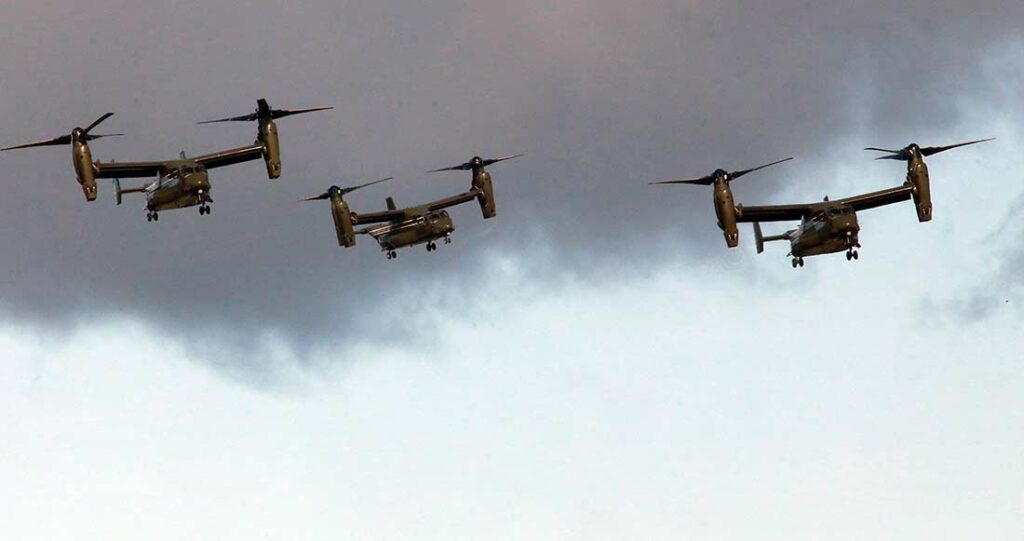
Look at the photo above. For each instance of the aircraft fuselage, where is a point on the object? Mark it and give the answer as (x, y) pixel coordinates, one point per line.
(833, 230)
(187, 187)
(413, 231)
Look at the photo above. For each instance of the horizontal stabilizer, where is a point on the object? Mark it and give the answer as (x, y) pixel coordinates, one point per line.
(760, 239)
(120, 192)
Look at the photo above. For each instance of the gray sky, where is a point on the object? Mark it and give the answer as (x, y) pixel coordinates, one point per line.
(587, 275)
(602, 98)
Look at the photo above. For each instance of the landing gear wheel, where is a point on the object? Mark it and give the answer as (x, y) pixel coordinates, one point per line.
(431, 246)
(800, 261)
(794, 262)
(392, 254)
(149, 216)
(856, 254)
(849, 255)
(156, 217)
(447, 239)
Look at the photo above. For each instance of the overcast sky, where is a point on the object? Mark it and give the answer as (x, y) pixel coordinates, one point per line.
(592, 363)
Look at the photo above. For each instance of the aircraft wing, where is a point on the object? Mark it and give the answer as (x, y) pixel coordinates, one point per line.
(231, 157)
(410, 212)
(877, 199)
(378, 217)
(128, 169)
(452, 201)
(773, 213)
(786, 213)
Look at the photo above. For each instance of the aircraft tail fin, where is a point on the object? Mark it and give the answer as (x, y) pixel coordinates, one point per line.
(119, 191)
(760, 239)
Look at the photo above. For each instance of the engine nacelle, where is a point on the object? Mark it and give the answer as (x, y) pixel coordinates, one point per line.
(84, 172)
(725, 210)
(342, 222)
(482, 182)
(917, 176)
(271, 148)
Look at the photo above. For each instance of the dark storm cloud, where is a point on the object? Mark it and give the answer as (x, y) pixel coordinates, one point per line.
(602, 96)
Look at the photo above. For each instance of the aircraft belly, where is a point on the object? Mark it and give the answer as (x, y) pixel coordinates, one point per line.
(175, 200)
(826, 247)
(403, 237)
(822, 243)
(811, 242)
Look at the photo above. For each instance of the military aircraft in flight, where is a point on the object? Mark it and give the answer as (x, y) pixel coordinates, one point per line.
(825, 226)
(410, 226)
(180, 183)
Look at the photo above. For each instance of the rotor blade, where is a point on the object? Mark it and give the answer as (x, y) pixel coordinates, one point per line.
(496, 160)
(469, 165)
(325, 195)
(462, 167)
(737, 174)
(928, 151)
(279, 113)
(897, 156)
(354, 188)
(244, 118)
(90, 137)
(901, 155)
(62, 140)
(703, 181)
(96, 123)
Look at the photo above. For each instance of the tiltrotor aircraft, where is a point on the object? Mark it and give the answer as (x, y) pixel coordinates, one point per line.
(827, 226)
(419, 224)
(180, 183)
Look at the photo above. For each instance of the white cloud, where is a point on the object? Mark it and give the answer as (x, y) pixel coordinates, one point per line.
(687, 405)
